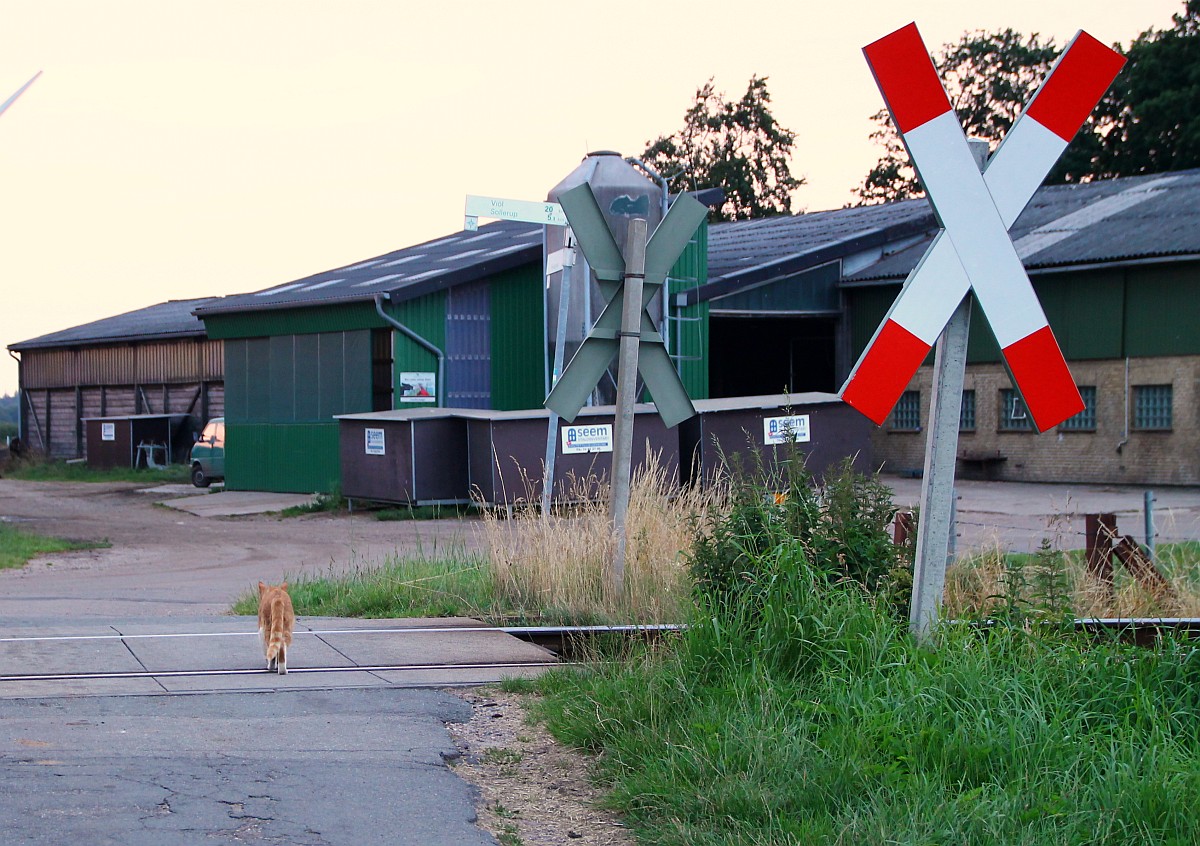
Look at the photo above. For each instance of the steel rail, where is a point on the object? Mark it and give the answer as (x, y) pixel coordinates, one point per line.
(375, 668)
(522, 632)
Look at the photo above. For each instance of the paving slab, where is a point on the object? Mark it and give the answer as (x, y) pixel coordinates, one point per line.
(27, 657)
(226, 655)
(234, 503)
(265, 682)
(229, 652)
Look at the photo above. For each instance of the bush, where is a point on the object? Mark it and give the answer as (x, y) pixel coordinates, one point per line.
(839, 527)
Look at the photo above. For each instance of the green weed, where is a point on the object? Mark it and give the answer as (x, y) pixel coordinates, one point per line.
(17, 546)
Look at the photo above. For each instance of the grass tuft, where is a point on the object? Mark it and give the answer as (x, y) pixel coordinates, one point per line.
(17, 547)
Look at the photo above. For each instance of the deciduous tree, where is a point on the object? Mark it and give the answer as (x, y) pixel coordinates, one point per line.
(734, 145)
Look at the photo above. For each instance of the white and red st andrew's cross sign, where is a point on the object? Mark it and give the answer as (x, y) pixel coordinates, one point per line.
(973, 252)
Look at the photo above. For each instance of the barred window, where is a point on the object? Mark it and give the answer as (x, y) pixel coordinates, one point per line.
(1152, 406)
(1013, 416)
(1084, 421)
(966, 415)
(906, 417)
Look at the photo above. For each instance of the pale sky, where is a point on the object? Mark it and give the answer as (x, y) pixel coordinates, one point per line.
(174, 150)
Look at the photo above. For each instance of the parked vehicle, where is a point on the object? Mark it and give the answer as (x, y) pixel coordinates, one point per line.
(208, 454)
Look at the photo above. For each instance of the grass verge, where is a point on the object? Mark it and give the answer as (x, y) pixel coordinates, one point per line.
(448, 584)
(32, 470)
(17, 546)
(807, 715)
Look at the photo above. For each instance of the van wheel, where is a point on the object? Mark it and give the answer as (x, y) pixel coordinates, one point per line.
(198, 477)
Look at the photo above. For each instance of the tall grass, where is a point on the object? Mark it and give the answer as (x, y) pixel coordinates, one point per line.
(996, 582)
(807, 715)
(555, 564)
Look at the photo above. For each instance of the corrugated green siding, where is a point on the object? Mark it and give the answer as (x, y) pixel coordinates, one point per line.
(426, 316)
(293, 321)
(867, 307)
(518, 339)
(298, 379)
(1162, 310)
(1084, 310)
(283, 458)
(689, 336)
(1141, 311)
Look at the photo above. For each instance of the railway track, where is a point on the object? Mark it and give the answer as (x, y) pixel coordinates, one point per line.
(562, 642)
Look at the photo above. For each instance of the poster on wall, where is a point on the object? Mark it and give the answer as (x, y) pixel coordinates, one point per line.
(375, 442)
(579, 439)
(108, 431)
(418, 386)
(781, 430)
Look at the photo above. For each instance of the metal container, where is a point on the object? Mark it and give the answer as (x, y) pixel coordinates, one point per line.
(746, 426)
(416, 456)
(508, 449)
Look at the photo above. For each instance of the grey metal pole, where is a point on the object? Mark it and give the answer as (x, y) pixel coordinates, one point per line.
(941, 451)
(1148, 500)
(627, 369)
(560, 341)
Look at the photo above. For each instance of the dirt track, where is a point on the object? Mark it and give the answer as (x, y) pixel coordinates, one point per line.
(168, 562)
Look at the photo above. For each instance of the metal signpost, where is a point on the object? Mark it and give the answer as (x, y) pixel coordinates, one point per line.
(547, 214)
(526, 211)
(624, 327)
(972, 253)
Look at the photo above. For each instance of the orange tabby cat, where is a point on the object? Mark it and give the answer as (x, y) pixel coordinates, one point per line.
(275, 622)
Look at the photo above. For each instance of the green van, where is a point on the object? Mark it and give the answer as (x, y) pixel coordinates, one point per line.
(208, 454)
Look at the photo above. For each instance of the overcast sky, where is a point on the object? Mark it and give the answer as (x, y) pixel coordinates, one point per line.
(174, 150)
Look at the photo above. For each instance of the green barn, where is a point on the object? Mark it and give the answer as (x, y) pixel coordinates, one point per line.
(458, 322)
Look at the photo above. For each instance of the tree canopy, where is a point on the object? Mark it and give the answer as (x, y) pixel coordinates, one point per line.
(989, 76)
(1154, 105)
(1149, 121)
(734, 145)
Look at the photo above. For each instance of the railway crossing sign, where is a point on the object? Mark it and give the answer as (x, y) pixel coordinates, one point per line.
(601, 345)
(974, 252)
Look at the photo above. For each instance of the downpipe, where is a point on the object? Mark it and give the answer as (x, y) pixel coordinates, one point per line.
(424, 344)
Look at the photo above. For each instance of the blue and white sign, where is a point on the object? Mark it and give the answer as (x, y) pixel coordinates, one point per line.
(108, 431)
(782, 430)
(578, 439)
(375, 442)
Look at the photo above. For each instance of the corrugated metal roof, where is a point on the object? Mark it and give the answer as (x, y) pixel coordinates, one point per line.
(404, 274)
(173, 319)
(1138, 217)
(753, 252)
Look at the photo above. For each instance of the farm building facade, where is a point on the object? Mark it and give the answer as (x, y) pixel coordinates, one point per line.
(783, 304)
(457, 321)
(152, 361)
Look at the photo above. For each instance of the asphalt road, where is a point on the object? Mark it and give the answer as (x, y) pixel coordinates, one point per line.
(302, 767)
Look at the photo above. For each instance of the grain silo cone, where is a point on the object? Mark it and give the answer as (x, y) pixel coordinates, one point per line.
(623, 193)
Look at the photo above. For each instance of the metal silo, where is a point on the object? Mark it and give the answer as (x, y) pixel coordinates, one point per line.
(623, 193)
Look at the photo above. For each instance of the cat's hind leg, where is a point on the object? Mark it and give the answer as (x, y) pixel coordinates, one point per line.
(282, 660)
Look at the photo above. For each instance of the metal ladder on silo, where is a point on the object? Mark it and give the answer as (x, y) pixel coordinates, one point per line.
(677, 322)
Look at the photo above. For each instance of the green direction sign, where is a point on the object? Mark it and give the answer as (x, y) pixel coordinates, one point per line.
(603, 341)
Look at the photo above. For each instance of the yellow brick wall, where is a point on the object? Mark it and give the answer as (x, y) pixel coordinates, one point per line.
(1112, 454)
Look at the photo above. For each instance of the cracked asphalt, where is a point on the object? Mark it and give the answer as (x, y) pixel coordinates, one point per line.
(298, 767)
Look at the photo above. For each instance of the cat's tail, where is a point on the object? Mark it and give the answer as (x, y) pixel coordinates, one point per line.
(276, 643)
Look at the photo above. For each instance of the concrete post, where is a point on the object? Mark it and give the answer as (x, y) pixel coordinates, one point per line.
(627, 372)
(941, 452)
